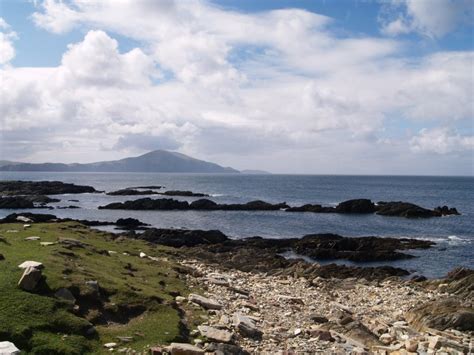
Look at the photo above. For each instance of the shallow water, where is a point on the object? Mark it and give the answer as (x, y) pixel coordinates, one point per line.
(454, 235)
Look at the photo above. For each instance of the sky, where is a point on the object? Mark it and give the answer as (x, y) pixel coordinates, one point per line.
(309, 86)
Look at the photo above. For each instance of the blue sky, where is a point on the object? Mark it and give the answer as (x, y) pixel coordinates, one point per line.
(297, 81)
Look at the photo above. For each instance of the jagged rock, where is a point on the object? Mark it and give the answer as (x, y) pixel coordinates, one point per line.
(204, 302)
(65, 294)
(8, 348)
(31, 263)
(30, 279)
(446, 211)
(316, 318)
(214, 334)
(246, 326)
(184, 349)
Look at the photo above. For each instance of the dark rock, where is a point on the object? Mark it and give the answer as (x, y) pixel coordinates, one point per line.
(403, 209)
(35, 217)
(459, 273)
(183, 193)
(203, 204)
(148, 204)
(356, 206)
(15, 202)
(446, 211)
(312, 208)
(155, 187)
(41, 188)
(182, 237)
(129, 223)
(418, 278)
(227, 349)
(30, 278)
(131, 192)
(318, 318)
(67, 207)
(368, 273)
(2, 257)
(41, 199)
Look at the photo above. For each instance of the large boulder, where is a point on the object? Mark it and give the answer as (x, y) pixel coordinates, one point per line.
(8, 348)
(30, 279)
(129, 223)
(246, 326)
(203, 204)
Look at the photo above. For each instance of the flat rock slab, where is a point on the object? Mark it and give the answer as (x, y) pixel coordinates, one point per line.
(32, 238)
(46, 244)
(204, 302)
(8, 348)
(214, 334)
(31, 263)
(184, 349)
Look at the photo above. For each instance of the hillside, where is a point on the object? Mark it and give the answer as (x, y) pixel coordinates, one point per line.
(159, 161)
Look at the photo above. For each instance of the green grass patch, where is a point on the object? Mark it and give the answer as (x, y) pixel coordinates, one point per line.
(136, 294)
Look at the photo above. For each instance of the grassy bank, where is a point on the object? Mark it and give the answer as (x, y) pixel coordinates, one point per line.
(135, 300)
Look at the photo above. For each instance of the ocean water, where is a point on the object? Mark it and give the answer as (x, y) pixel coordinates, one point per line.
(454, 235)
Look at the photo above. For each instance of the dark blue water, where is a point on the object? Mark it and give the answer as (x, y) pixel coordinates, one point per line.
(454, 235)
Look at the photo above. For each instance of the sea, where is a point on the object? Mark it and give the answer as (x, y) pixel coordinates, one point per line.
(453, 235)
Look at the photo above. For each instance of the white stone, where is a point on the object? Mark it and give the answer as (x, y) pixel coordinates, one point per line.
(26, 226)
(31, 263)
(142, 255)
(110, 345)
(24, 219)
(32, 238)
(8, 348)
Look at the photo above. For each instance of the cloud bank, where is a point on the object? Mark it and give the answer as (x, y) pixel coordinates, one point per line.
(277, 90)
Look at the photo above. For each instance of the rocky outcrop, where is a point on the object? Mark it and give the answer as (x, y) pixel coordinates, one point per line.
(404, 209)
(32, 217)
(356, 206)
(183, 193)
(203, 204)
(12, 188)
(131, 192)
(182, 237)
(15, 202)
(129, 223)
(446, 211)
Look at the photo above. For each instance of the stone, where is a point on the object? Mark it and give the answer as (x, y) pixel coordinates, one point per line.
(214, 334)
(156, 350)
(204, 302)
(229, 349)
(246, 326)
(24, 219)
(184, 349)
(65, 294)
(45, 244)
(32, 238)
(316, 318)
(25, 226)
(8, 348)
(321, 334)
(30, 263)
(30, 279)
(434, 342)
(411, 345)
(386, 339)
(142, 255)
(180, 299)
(110, 345)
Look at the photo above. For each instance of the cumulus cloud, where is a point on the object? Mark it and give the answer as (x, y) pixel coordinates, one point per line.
(441, 140)
(431, 18)
(7, 36)
(221, 84)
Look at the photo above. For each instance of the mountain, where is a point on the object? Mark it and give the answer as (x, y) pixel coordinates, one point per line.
(8, 162)
(158, 161)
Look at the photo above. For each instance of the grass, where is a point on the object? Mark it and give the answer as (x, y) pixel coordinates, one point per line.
(136, 294)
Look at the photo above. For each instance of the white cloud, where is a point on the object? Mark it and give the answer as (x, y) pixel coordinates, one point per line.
(441, 140)
(431, 18)
(220, 84)
(7, 36)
